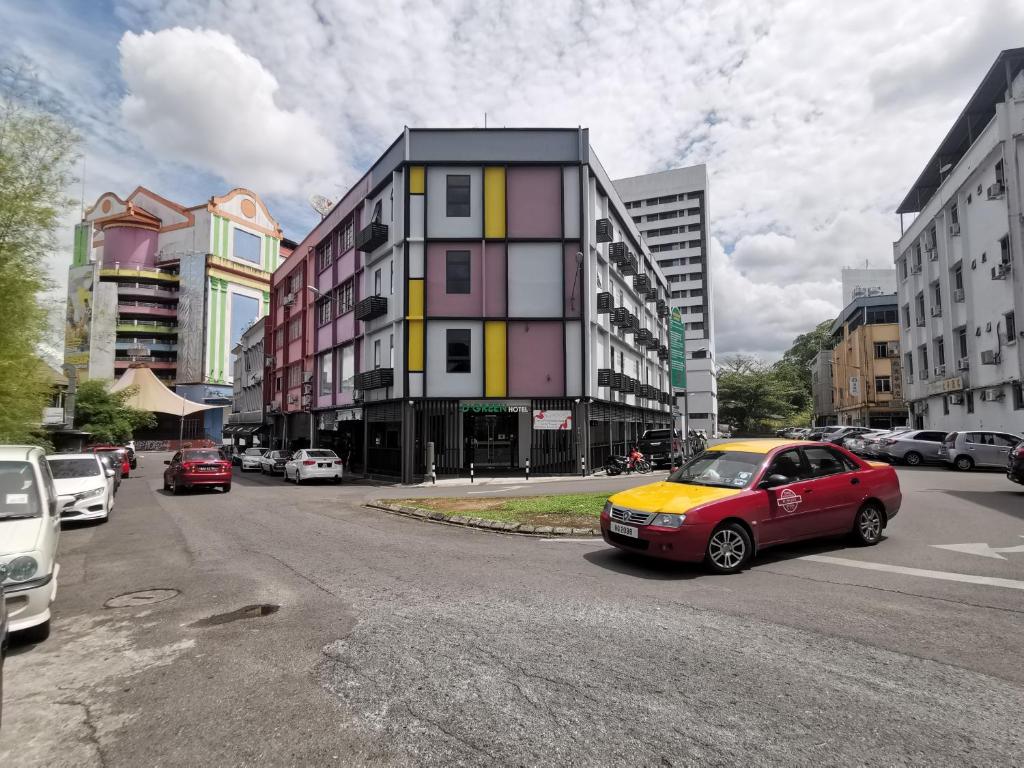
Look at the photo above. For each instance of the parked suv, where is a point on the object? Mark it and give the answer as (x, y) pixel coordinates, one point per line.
(918, 446)
(967, 450)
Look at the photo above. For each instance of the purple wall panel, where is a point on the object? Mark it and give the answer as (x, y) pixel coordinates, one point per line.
(573, 281)
(443, 304)
(536, 360)
(346, 266)
(323, 337)
(535, 202)
(129, 246)
(346, 327)
(495, 268)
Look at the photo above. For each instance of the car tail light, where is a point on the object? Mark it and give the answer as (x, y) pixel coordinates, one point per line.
(1018, 452)
(308, 463)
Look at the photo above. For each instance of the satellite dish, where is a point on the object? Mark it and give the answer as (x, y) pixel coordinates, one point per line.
(321, 204)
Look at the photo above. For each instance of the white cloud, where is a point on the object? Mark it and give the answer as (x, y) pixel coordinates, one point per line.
(195, 97)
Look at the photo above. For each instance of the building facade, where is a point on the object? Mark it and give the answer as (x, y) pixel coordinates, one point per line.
(867, 282)
(482, 298)
(822, 392)
(245, 425)
(865, 365)
(959, 266)
(170, 286)
(670, 208)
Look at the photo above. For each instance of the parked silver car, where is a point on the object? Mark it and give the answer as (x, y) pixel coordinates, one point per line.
(869, 446)
(967, 450)
(918, 446)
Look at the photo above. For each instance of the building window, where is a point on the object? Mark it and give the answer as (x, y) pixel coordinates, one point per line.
(919, 308)
(1011, 327)
(376, 282)
(295, 329)
(458, 350)
(881, 349)
(295, 282)
(247, 246)
(325, 254)
(458, 195)
(970, 401)
(906, 315)
(294, 375)
(940, 351)
(347, 236)
(954, 217)
(1018, 395)
(883, 384)
(457, 272)
(1004, 249)
(922, 357)
(958, 276)
(903, 268)
(378, 212)
(999, 172)
(323, 311)
(326, 371)
(279, 338)
(343, 297)
(391, 350)
(961, 341)
(376, 354)
(936, 295)
(391, 278)
(908, 364)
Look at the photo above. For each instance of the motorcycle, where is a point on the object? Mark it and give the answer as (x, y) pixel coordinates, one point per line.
(616, 465)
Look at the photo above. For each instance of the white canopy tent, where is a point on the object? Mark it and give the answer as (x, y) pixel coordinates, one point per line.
(152, 395)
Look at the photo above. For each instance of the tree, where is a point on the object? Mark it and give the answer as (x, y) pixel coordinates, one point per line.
(752, 393)
(36, 154)
(805, 347)
(107, 415)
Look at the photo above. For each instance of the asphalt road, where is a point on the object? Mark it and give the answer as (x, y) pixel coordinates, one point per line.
(401, 642)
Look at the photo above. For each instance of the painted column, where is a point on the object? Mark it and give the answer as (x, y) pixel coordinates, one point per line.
(211, 328)
(222, 349)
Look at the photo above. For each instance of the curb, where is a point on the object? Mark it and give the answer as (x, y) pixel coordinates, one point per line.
(433, 516)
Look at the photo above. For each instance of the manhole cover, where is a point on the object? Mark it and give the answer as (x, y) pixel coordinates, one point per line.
(255, 611)
(140, 598)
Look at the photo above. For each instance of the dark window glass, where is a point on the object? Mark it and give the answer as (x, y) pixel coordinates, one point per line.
(458, 195)
(67, 468)
(210, 454)
(458, 350)
(719, 469)
(788, 464)
(824, 462)
(457, 272)
(247, 246)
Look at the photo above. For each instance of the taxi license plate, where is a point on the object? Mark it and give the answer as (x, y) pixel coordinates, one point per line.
(625, 530)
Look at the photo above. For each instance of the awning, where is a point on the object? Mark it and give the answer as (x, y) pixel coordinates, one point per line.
(151, 394)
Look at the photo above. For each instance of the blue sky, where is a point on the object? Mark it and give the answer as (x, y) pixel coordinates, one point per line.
(813, 116)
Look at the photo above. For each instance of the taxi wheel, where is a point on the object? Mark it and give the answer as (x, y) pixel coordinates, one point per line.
(867, 526)
(728, 549)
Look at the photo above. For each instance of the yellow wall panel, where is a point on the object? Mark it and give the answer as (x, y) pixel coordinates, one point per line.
(415, 362)
(495, 356)
(417, 183)
(415, 299)
(494, 202)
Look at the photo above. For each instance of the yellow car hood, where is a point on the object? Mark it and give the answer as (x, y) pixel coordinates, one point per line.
(670, 497)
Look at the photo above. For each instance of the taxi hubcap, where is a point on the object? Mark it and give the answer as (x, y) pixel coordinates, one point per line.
(727, 549)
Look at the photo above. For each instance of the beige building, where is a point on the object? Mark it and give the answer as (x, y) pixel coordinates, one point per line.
(866, 378)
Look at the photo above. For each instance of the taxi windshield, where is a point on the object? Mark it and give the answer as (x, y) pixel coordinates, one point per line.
(720, 469)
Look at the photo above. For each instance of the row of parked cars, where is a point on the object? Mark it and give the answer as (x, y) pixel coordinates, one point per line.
(297, 466)
(966, 450)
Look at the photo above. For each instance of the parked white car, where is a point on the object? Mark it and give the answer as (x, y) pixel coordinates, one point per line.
(313, 464)
(251, 458)
(273, 462)
(29, 532)
(83, 477)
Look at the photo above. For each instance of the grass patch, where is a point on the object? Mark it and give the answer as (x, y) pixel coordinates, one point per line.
(574, 510)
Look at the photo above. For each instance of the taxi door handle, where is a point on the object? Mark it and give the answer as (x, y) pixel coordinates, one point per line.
(806, 490)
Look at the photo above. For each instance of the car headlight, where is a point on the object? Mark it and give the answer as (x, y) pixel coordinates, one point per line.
(668, 521)
(22, 568)
(90, 494)
(607, 508)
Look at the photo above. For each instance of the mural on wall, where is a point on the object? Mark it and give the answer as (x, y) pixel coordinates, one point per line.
(78, 321)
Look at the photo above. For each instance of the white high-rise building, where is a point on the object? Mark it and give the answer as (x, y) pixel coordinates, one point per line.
(670, 208)
(959, 266)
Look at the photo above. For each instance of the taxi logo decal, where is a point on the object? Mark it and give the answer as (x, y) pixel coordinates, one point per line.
(789, 501)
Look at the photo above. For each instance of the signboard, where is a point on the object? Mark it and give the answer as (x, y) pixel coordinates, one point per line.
(561, 420)
(854, 386)
(677, 350)
(350, 414)
(943, 386)
(487, 406)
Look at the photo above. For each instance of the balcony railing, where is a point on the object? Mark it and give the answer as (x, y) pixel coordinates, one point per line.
(644, 337)
(641, 284)
(633, 325)
(605, 303)
(371, 237)
(630, 266)
(662, 308)
(604, 377)
(618, 253)
(652, 295)
(604, 230)
(620, 317)
(371, 308)
(375, 379)
(663, 352)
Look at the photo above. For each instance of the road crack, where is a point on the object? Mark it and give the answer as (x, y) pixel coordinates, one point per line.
(92, 733)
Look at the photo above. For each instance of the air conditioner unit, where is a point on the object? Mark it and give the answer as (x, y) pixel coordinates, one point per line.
(932, 254)
(955, 399)
(288, 300)
(958, 295)
(936, 310)
(963, 364)
(940, 371)
(995, 191)
(954, 230)
(1000, 271)
(990, 357)
(307, 376)
(992, 394)
(915, 269)
(892, 349)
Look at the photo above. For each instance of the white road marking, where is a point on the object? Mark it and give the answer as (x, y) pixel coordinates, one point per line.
(967, 578)
(981, 549)
(592, 540)
(502, 489)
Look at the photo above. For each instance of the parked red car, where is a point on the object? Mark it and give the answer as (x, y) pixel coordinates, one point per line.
(738, 498)
(118, 454)
(197, 467)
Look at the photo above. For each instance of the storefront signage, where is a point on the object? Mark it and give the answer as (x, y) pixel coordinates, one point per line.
(677, 349)
(854, 386)
(552, 420)
(489, 407)
(350, 414)
(943, 386)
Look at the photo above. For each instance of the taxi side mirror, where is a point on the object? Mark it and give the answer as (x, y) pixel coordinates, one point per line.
(167, 462)
(773, 481)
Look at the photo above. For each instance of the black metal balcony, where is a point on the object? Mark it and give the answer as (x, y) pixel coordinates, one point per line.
(663, 352)
(641, 283)
(630, 266)
(637, 387)
(371, 308)
(371, 237)
(604, 377)
(652, 343)
(632, 325)
(644, 337)
(662, 308)
(620, 317)
(618, 381)
(604, 230)
(376, 379)
(605, 303)
(618, 253)
(652, 295)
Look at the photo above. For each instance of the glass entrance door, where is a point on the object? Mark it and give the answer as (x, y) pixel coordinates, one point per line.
(492, 439)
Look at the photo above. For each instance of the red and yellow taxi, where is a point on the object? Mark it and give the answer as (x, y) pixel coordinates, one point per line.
(738, 498)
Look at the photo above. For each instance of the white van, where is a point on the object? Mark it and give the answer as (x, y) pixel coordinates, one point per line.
(29, 531)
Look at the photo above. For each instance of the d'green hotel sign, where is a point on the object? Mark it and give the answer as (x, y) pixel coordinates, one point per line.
(677, 350)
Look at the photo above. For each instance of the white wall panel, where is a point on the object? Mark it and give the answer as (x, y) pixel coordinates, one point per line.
(535, 279)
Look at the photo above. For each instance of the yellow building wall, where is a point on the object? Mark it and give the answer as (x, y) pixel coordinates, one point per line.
(495, 342)
(415, 326)
(855, 356)
(494, 202)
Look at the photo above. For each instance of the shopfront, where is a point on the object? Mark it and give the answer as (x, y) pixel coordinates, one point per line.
(491, 433)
